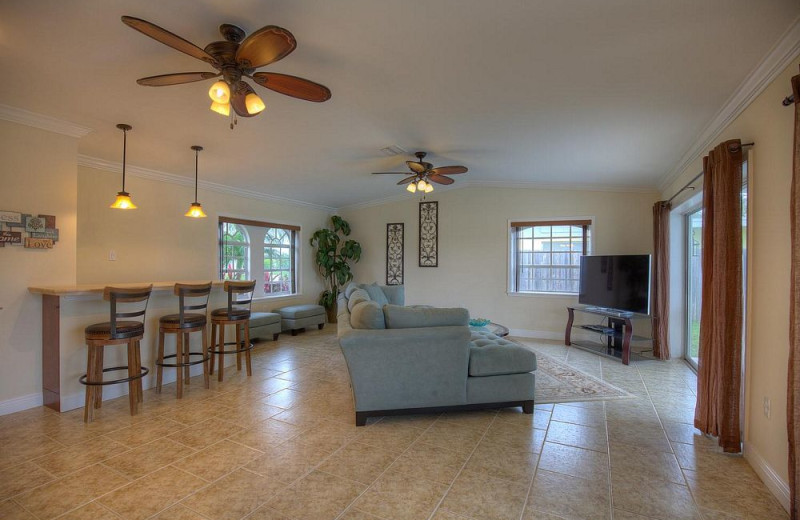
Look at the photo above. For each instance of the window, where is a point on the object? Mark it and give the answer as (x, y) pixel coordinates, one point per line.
(278, 261)
(242, 259)
(234, 252)
(545, 255)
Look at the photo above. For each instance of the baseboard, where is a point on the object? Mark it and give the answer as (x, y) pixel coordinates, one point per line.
(19, 404)
(777, 486)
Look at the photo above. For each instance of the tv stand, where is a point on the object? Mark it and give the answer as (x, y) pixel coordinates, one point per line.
(618, 333)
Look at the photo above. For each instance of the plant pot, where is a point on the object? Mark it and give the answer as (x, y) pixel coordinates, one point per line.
(331, 313)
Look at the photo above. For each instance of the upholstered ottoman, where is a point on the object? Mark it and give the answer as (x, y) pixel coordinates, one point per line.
(264, 324)
(296, 317)
(500, 370)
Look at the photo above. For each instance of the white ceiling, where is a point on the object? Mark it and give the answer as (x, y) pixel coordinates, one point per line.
(606, 93)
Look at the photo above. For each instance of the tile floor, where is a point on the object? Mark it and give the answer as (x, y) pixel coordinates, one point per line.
(281, 445)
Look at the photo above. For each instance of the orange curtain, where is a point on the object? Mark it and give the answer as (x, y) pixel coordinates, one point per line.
(660, 307)
(793, 390)
(720, 358)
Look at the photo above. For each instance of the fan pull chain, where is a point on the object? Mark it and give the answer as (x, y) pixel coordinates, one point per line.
(234, 120)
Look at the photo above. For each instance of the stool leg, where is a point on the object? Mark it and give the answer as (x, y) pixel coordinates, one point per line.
(133, 400)
(98, 375)
(88, 409)
(246, 327)
(205, 357)
(221, 346)
(186, 358)
(159, 361)
(212, 348)
(178, 361)
(238, 346)
(140, 381)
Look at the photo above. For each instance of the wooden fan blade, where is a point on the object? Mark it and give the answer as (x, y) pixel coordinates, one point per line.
(238, 95)
(267, 45)
(449, 170)
(175, 79)
(407, 180)
(167, 38)
(440, 179)
(293, 86)
(416, 167)
(389, 173)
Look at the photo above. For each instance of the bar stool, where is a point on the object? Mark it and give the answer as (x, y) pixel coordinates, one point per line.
(237, 313)
(182, 325)
(119, 330)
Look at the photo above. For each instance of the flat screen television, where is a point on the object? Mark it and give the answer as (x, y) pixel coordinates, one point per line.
(616, 282)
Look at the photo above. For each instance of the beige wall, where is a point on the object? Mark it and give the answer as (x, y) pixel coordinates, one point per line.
(770, 126)
(156, 242)
(37, 176)
(473, 247)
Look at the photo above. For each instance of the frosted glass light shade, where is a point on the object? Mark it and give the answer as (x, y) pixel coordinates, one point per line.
(220, 92)
(254, 104)
(123, 201)
(221, 108)
(195, 211)
(411, 187)
(421, 185)
(428, 187)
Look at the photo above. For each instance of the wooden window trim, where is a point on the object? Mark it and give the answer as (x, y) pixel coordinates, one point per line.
(551, 223)
(258, 223)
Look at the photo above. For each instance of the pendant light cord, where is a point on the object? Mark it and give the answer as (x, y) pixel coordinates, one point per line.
(124, 152)
(196, 154)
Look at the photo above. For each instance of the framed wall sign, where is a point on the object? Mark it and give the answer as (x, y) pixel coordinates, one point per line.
(429, 234)
(394, 253)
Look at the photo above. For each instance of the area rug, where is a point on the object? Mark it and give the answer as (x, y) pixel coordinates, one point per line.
(557, 382)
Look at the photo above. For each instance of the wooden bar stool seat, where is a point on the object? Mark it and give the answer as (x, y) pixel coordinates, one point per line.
(182, 325)
(117, 331)
(237, 313)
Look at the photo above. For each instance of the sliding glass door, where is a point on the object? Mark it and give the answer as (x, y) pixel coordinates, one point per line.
(694, 283)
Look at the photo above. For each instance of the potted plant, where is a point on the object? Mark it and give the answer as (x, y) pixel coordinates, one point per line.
(333, 258)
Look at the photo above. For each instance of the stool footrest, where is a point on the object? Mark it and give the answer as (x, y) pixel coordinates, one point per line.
(243, 349)
(187, 364)
(143, 372)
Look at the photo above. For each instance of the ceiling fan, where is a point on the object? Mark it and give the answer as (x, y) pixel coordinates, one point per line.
(235, 58)
(424, 173)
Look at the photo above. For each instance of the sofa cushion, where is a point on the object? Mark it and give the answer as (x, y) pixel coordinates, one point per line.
(258, 319)
(398, 317)
(356, 297)
(367, 315)
(376, 294)
(490, 355)
(301, 311)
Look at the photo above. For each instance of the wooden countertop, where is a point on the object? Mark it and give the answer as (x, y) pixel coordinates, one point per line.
(75, 290)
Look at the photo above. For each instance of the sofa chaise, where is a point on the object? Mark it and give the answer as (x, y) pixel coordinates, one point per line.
(408, 360)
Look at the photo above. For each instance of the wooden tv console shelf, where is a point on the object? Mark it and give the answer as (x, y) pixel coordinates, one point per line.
(617, 333)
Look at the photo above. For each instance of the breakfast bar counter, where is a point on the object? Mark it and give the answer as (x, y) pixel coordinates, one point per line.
(68, 309)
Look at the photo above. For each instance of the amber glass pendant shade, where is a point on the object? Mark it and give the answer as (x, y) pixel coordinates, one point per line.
(123, 200)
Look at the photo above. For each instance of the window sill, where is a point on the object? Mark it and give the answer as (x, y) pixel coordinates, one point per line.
(541, 294)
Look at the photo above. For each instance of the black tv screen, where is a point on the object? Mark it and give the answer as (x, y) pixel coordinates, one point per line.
(618, 282)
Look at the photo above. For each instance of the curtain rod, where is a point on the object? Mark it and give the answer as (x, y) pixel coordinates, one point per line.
(689, 186)
(788, 100)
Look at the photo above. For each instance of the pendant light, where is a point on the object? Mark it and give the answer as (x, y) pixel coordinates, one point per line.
(123, 200)
(196, 209)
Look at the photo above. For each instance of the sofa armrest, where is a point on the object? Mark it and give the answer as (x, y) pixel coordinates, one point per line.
(407, 368)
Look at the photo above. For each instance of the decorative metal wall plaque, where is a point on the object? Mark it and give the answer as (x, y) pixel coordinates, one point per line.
(429, 234)
(32, 232)
(394, 253)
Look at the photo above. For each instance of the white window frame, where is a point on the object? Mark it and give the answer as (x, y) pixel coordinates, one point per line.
(512, 253)
(292, 247)
(247, 247)
(256, 232)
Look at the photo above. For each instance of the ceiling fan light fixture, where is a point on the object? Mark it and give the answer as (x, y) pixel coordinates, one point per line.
(221, 108)
(428, 188)
(220, 92)
(254, 104)
(421, 185)
(412, 188)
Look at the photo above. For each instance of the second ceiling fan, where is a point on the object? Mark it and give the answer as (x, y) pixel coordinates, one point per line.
(424, 174)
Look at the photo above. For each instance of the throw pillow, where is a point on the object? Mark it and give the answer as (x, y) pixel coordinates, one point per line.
(367, 315)
(348, 290)
(376, 294)
(356, 297)
(398, 317)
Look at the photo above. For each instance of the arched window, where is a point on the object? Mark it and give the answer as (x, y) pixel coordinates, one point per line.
(279, 275)
(234, 252)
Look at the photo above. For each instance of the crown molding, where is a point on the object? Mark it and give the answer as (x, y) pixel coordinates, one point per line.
(508, 185)
(777, 59)
(51, 124)
(171, 178)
